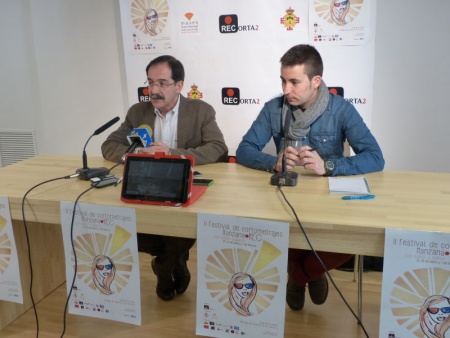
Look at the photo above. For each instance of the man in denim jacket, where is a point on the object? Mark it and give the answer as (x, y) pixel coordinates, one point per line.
(322, 122)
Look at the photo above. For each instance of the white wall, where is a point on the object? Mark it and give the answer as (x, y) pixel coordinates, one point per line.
(62, 71)
(62, 74)
(411, 118)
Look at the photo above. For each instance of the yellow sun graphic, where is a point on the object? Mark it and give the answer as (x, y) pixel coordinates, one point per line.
(410, 292)
(221, 265)
(149, 16)
(5, 247)
(324, 9)
(90, 245)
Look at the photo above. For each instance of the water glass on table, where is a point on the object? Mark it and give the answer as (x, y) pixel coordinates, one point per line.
(294, 143)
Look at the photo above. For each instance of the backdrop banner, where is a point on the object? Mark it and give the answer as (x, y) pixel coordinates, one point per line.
(231, 50)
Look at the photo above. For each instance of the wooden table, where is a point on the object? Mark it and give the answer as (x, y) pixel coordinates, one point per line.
(407, 200)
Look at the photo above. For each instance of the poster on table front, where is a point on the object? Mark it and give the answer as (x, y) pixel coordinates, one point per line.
(241, 286)
(100, 244)
(10, 285)
(415, 300)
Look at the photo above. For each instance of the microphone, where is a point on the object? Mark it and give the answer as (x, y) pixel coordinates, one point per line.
(287, 178)
(87, 173)
(138, 137)
(106, 126)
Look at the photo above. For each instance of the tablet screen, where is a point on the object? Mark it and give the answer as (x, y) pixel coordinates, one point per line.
(156, 179)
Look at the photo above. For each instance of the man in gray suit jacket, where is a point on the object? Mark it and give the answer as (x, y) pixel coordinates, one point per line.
(181, 127)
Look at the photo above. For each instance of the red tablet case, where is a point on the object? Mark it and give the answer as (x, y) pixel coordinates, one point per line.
(194, 191)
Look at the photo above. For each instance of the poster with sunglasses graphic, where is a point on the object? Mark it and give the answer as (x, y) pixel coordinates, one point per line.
(10, 285)
(241, 286)
(107, 281)
(338, 22)
(148, 26)
(415, 298)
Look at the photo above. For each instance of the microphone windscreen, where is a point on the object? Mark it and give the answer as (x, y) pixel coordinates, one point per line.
(140, 135)
(150, 130)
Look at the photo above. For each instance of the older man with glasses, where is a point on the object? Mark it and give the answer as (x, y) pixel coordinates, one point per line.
(181, 126)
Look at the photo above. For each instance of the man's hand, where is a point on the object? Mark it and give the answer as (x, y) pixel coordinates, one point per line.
(310, 160)
(155, 147)
(291, 159)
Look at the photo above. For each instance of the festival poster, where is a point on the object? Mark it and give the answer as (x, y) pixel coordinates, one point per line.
(241, 286)
(338, 22)
(146, 26)
(10, 285)
(415, 299)
(107, 282)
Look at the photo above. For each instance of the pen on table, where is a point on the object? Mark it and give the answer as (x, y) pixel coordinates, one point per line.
(358, 197)
(118, 181)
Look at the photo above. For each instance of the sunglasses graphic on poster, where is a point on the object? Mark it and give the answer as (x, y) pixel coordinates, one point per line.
(416, 285)
(103, 252)
(241, 288)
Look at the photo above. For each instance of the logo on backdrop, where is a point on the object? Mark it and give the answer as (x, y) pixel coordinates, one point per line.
(229, 24)
(232, 96)
(143, 94)
(290, 19)
(194, 93)
(336, 91)
(189, 26)
(353, 100)
(356, 100)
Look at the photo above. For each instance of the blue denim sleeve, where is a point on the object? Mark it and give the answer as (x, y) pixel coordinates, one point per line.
(267, 125)
(368, 156)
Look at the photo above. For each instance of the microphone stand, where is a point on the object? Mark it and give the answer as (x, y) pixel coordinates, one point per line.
(287, 178)
(87, 173)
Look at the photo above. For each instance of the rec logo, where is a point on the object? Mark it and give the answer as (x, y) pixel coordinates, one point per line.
(231, 96)
(228, 23)
(143, 94)
(336, 90)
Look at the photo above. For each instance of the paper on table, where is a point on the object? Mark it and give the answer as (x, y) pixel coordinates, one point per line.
(348, 185)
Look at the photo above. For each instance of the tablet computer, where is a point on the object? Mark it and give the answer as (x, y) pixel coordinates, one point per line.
(159, 179)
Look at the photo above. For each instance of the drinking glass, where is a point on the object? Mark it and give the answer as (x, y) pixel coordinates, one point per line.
(296, 144)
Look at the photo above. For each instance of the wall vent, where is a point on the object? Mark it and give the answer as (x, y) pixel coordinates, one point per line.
(16, 145)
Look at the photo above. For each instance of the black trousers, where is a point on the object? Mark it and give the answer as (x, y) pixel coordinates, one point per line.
(168, 250)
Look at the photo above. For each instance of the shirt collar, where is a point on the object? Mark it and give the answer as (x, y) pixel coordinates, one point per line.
(173, 111)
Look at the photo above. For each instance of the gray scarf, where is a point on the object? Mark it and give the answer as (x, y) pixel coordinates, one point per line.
(303, 119)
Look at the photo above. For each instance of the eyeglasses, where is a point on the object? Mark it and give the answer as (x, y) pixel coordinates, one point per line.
(107, 267)
(343, 3)
(158, 84)
(434, 310)
(240, 285)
